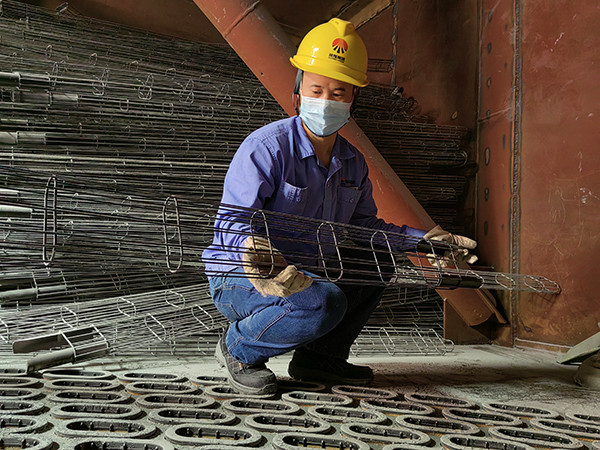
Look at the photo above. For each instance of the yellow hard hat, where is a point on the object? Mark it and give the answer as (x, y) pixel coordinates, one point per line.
(335, 50)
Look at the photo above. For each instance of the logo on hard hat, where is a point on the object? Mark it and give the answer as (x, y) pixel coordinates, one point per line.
(340, 46)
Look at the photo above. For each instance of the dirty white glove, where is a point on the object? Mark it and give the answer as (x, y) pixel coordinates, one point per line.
(459, 254)
(263, 260)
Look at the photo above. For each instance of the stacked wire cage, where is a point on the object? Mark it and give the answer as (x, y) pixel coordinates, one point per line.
(136, 117)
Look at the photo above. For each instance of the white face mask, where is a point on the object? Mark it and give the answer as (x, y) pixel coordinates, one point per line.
(324, 117)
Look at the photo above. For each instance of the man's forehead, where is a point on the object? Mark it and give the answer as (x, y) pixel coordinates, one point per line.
(315, 80)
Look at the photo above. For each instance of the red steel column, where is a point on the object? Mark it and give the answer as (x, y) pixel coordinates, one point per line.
(265, 48)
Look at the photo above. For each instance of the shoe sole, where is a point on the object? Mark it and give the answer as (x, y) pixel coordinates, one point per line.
(319, 375)
(269, 389)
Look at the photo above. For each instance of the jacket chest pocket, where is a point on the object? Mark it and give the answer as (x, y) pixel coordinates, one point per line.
(290, 199)
(347, 201)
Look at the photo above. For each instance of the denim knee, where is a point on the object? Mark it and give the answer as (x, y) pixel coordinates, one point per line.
(324, 305)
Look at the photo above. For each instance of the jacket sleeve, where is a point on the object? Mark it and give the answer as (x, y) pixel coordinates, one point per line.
(250, 180)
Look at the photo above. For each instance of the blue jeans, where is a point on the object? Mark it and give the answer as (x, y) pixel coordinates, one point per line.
(325, 317)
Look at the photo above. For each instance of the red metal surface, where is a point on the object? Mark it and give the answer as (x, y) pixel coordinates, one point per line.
(264, 47)
(560, 191)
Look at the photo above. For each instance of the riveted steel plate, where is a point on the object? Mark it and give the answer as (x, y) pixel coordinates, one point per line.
(82, 384)
(22, 424)
(378, 434)
(194, 435)
(20, 407)
(86, 428)
(294, 441)
(164, 401)
(12, 441)
(436, 425)
(460, 442)
(580, 431)
(363, 392)
(72, 396)
(252, 406)
(518, 410)
(482, 418)
(177, 415)
(345, 414)
(315, 398)
(397, 408)
(438, 401)
(53, 374)
(131, 377)
(536, 438)
(95, 410)
(277, 423)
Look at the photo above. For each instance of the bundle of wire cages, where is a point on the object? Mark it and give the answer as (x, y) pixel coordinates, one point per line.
(131, 116)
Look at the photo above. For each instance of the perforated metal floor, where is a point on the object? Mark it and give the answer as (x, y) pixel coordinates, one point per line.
(183, 406)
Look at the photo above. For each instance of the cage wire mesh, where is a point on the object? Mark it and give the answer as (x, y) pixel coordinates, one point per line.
(135, 115)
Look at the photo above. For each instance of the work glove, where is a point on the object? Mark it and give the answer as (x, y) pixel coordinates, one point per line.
(263, 260)
(459, 255)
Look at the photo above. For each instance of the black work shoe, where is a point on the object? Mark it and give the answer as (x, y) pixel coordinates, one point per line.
(307, 365)
(254, 379)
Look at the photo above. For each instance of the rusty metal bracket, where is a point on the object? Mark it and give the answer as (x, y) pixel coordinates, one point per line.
(177, 415)
(482, 418)
(277, 423)
(536, 438)
(434, 425)
(397, 408)
(345, 414)
(295, 441)
(378, 434)
(313, 398)
(459, 442)
(187, 434)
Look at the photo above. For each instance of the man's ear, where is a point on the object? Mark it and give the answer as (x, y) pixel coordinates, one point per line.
(296, 103)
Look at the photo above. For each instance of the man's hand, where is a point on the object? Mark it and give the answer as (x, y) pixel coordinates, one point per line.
(460, 254)
(263, 260)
